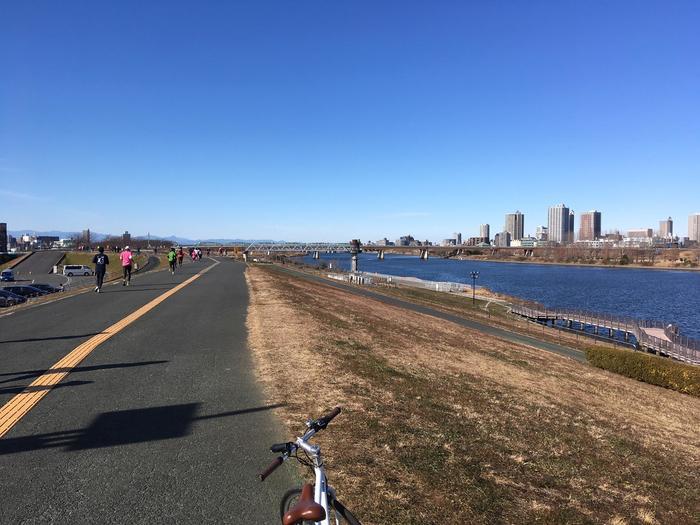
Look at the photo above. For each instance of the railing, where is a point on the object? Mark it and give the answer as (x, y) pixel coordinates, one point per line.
(414, 282)
(679, 347)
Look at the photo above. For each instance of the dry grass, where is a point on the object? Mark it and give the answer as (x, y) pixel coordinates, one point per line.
(444, 424)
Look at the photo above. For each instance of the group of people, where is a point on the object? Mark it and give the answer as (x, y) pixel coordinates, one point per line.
(101, 260)
(126, 258)
(175, 257)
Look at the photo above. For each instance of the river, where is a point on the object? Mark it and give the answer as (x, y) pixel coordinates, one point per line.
(665, 295)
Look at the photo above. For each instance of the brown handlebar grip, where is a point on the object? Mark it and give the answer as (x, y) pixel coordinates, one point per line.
(331, 414)
(269, 470)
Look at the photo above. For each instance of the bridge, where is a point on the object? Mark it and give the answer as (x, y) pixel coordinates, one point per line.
(651, 336)
(298, 247)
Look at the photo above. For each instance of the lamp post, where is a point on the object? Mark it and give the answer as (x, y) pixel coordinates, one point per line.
(475, 276)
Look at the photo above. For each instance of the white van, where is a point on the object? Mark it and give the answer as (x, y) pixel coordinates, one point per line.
(76, 269)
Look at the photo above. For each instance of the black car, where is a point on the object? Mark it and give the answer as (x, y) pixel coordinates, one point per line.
(46, 288)
(25, 290)
(10, 299)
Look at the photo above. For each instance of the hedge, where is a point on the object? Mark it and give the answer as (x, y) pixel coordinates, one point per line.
(648, 368)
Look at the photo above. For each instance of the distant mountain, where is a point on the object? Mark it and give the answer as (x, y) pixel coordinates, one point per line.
(185, 241)
(95, 236)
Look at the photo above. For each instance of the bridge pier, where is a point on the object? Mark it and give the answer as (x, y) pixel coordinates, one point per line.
(380, 255)
(569, 323)
(610, 332)
(316, 255)
(424, 255)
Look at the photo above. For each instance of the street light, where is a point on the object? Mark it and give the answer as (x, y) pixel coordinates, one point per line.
(475, 276)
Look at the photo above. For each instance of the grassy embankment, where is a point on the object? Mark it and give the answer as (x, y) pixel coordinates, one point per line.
(445, 424)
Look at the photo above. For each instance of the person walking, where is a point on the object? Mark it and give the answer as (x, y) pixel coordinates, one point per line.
(100, 260)
(180, 256)
(127, 259)
(172, 256)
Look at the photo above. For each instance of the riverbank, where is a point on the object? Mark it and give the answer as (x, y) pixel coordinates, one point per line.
(443, 423)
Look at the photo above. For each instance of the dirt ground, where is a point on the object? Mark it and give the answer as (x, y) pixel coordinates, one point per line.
(442, 424)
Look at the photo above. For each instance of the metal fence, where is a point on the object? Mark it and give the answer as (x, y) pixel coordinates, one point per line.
(679, 347)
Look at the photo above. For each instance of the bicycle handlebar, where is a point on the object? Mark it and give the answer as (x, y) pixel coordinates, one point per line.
(270, 469)
(322, 422)
(289, 448)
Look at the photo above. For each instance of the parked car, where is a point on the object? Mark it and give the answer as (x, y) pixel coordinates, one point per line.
(10, 299)
(25, 290)
(76, 269)
(46, 287)
(7, 275)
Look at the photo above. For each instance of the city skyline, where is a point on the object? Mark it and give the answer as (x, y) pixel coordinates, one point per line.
(299, 121)
(517, 218)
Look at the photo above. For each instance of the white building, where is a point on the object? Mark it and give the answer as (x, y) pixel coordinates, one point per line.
(694, 227)
(558, 226)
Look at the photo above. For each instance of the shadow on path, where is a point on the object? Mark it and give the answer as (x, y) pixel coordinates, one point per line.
(31, 374)
(124, 427)
(39, 388)
(55, 338)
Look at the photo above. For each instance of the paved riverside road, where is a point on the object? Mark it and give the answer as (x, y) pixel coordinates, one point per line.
(161, 423)
(495, 331)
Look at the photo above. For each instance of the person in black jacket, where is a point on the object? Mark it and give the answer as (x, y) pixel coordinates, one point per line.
(100, 260)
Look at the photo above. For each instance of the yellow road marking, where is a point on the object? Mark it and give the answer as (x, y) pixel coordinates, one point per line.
(17, 407)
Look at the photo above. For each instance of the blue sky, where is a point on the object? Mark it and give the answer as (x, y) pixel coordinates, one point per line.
(326, 120)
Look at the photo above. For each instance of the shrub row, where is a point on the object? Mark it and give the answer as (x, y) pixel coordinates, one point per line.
(648, 368)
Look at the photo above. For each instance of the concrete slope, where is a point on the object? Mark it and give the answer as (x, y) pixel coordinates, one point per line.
(161, 423)
(40, 262)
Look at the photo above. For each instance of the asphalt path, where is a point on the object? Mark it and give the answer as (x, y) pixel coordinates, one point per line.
(161, 423)
(39, 263)
(467, 323)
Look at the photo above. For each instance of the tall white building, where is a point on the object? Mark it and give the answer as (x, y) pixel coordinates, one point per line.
(558, 224)
(485, 231)
(515, 225)
(694, 227)
(666, 229)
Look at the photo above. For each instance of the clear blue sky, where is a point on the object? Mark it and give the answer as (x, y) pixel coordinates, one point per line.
(316, 120)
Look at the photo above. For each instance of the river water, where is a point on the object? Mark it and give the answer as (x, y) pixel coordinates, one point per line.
(664, 295)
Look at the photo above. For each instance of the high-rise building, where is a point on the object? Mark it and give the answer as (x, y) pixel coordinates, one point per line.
(126, 238)
(542, 233)
(502, 240)
(694, 227)
(485, 231)
(3, 237)
(515, 225)
(666, 229)
(558, 226)
(589, 229)
(458, 238)
(86, 236)
(571, 227)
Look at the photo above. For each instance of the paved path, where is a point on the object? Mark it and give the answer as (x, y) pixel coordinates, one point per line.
(38, 263)
(467, 323)
(162, 423)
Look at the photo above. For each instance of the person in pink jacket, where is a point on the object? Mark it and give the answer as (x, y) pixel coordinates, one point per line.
(127, 260)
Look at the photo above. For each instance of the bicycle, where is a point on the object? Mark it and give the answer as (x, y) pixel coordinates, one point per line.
(311, 503)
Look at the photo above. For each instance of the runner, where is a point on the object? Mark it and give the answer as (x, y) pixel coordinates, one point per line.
(100, 261)
(127, 259)
(180, 256)
(171, 260)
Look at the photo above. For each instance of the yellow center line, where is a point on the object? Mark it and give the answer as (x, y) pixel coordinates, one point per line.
(17, 407)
